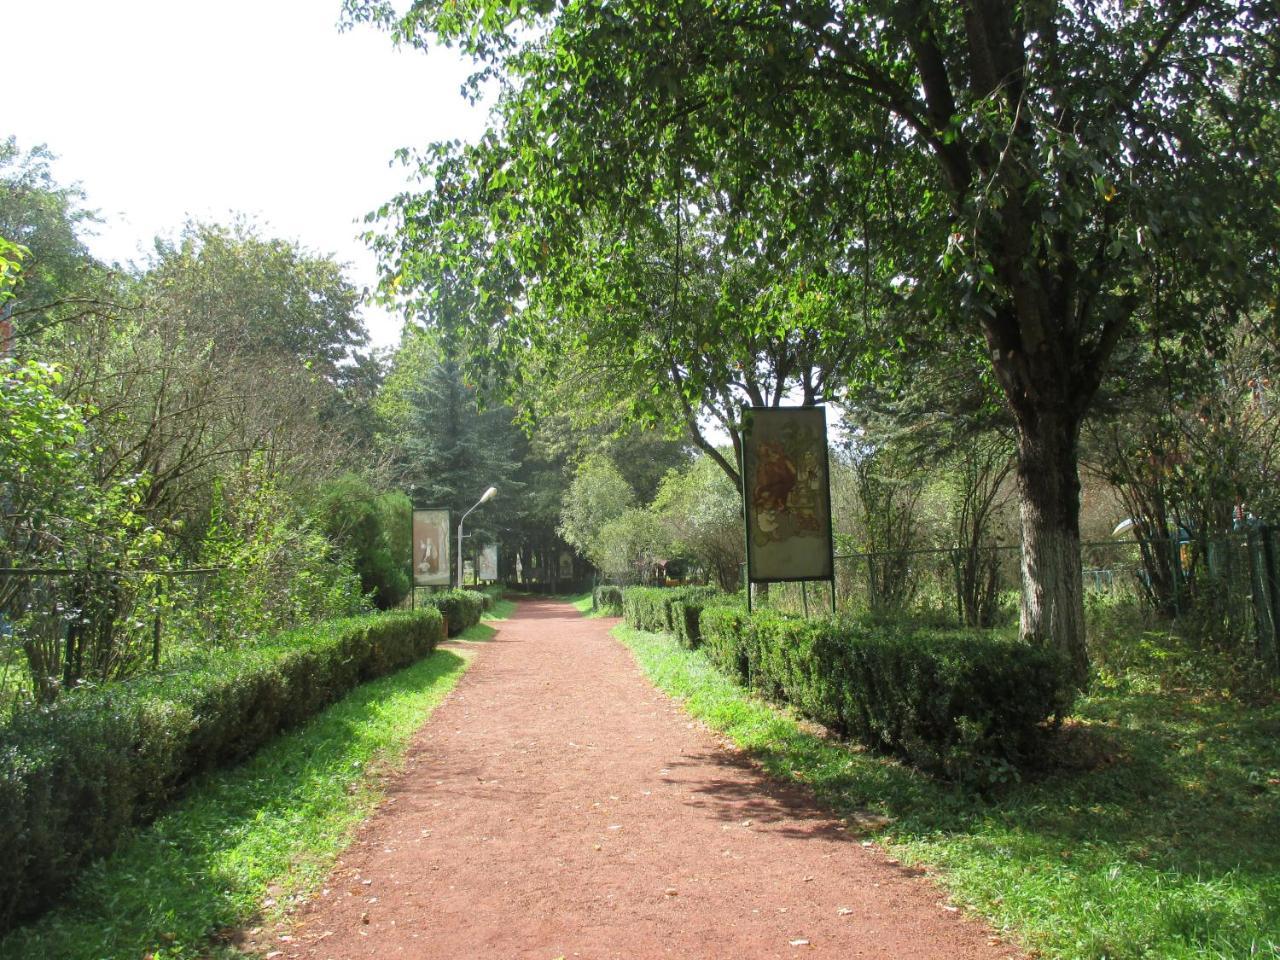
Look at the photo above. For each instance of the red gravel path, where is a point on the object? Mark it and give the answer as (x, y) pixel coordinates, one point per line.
(556, 805)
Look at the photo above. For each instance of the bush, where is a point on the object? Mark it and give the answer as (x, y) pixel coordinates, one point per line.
(966, 705)
(649, 608)
(77, 774)
(492, 593)
(461, 608)
(686, 616)
(608, 600)
(371, 528)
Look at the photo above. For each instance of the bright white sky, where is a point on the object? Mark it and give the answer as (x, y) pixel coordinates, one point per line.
(165, 110)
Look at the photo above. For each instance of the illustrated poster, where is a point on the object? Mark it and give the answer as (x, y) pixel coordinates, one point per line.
(489, 562)
(431, 548)
(787, 496)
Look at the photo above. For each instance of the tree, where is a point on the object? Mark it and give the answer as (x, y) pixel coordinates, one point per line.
(702, 512)
(598, 495)
(1047, 151)
(631, 545)
(59, 278)
(445, 450)
(373, 529)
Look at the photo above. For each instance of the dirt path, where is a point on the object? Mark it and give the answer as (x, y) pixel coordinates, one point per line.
(556, 805)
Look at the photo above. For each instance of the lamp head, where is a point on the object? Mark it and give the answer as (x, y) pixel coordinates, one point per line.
(489, 494)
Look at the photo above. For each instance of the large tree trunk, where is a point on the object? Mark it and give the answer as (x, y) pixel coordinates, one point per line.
(1049, 495)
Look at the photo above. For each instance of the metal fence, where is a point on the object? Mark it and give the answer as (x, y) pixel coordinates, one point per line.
(1230, 585)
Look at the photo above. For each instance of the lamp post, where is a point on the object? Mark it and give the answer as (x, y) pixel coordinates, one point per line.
(487, 495)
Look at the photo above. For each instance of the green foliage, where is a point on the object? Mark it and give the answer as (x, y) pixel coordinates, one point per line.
(270, 296)
(77, 774)
(461, 608)
(373, 530)
(277, 569)
(608, 600)
(11, 255)
(651, 608)
(963, 704)
(1031, 186)
(446, 448)
(631, 545)
(598, 494)
(702, 511)
(44, 221)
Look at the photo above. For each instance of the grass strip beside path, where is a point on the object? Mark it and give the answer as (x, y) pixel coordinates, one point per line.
(245, 842)
(1163, 842)
(502, 609)
(582, 603)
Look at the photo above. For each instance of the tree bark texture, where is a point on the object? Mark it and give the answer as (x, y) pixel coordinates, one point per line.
(1052, 608)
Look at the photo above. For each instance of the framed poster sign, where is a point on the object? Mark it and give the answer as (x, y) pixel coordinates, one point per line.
(786, 494)
(489, 562)
(431, 548)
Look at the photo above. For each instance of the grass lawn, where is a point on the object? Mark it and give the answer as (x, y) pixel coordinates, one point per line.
(501, 610)
(245, 842)
(582, 603)
(1158, 837)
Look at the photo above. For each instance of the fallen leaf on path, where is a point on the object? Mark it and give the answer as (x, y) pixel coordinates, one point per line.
(671, 891)
(843, 912)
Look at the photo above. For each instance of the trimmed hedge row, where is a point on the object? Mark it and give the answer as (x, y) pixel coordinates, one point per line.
(461, 608)
(650, 608)
(608, 600)
(686, 615)
(76, 775)
(960, 704)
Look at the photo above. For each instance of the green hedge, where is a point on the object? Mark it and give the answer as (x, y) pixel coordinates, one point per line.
(461, 608)
(76, 775)
(608, 600)
(686, 615)
(966, 705)
(649, 608)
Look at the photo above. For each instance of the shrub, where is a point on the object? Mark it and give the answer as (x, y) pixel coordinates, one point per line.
(372, 528)
(492, 593)
(461, 608)
(75, 775)
(962, 704)
(686, 616)
(649, 608)
(608, 600)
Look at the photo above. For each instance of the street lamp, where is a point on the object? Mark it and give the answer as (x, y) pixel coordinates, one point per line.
(487, 495)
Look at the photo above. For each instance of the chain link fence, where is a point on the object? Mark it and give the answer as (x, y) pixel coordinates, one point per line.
(1229, 588)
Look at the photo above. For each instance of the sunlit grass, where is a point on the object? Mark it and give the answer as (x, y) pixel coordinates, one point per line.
(1161, 841)
(501, 610)
(581, 602)
(272, 826)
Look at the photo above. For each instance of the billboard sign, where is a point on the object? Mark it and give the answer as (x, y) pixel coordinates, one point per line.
(431, 548)
(489, 563)
(786, 494)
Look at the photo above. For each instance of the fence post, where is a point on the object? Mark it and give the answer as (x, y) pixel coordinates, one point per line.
(1271, 556)
(1263, 600)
